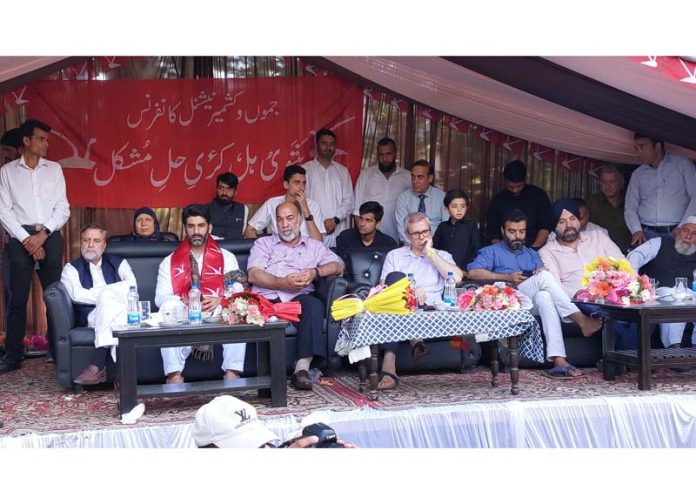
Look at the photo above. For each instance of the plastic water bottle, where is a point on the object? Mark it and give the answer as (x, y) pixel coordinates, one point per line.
(195, 315)
(229, 288)
(412, 281)
(133, 309)
(450, 295)
(693, 284)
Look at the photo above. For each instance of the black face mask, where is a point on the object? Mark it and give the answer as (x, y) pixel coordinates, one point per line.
(386, 168)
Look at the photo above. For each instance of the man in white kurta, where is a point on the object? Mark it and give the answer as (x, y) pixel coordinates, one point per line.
(198, 229)
(294, 182)
(98, 283)
(383, 183)
(329, 184)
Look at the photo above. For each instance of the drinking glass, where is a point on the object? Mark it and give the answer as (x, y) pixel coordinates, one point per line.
(144, 310)
(681, 289)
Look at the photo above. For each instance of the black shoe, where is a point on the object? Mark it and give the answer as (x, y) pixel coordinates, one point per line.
(7, 366)
(301, 381)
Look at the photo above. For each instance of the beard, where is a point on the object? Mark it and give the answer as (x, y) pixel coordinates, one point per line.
(569, 235)
(91, 255)
(326, 154)
(289, 235)
(684, 248)
(223, 200)
(386, 168)
(197, 240)
(515, 245)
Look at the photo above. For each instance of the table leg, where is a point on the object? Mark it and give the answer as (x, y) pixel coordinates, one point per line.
(608, 345)
(263, 361)
(644, 352)
(495, 366)
(279, 385)
(374, 353)
(513, 345)
(127, 376)
(362, 372)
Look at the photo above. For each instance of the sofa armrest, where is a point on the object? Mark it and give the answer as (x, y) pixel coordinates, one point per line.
(61, 319)
(328, 290)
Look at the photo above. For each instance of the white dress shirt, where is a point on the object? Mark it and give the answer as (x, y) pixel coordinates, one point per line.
(32, 196)
(662, 196)
(425, 273)
(164, 287)
(640, 256)
(408, 202)
(332, 188)
(266, 214)
(70, 278)
(372, 185)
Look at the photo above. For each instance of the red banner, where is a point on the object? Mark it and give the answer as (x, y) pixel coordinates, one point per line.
(162, 143)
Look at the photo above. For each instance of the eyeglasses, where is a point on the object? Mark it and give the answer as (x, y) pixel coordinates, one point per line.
(420, 234)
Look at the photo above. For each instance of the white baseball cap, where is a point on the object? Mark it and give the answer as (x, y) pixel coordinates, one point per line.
(228, 422)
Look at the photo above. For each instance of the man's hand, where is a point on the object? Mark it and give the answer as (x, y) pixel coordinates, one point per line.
(39, 255)
(304, 442)
(420, 295)
(675, 231)
(330, 225)
(300, 280)
(33, 242)
(429, 247)
(516, 277)
(637, 238)
(302, 200)
(209, 303)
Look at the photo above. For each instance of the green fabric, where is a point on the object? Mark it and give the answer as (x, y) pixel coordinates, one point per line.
(611, 218)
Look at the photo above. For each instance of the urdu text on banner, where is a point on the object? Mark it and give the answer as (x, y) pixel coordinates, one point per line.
(162, 143)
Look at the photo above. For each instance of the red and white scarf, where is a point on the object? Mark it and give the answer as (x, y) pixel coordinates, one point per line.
(212, 269)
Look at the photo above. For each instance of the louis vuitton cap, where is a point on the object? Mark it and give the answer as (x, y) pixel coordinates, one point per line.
(228, 422)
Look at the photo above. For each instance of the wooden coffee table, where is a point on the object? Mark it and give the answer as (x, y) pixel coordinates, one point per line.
(270, 380)
(644, 358)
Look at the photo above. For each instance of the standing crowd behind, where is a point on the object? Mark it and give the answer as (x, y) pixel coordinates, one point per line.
(303, 234)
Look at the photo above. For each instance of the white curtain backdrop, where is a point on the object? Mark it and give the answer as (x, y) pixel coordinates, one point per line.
(655, 421)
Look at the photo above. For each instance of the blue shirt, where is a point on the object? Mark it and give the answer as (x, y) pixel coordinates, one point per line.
(499, 258)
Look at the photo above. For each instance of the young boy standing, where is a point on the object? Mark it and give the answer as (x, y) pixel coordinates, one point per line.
(458, 236)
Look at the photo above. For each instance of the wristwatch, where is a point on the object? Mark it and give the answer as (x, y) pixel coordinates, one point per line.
(47, 231)
(337, 220)
(310, 217)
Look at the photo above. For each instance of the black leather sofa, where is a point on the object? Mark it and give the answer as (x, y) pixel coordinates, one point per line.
(363, 270)
(75, 345)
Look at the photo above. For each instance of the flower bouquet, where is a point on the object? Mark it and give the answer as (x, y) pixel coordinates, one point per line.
(247, 307)
(398, 298)
(498, 296)
(613, 280)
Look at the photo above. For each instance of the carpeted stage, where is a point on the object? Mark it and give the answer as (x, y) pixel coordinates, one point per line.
(427, 410)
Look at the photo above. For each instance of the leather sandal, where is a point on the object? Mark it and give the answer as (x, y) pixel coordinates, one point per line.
(390, 375)
(419, 350)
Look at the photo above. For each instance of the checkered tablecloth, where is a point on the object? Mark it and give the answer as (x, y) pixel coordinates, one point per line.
(370, 328)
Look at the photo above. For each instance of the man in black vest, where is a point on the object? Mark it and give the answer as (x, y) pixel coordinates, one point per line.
(665, 258)
(227, 216)
(86, 280)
